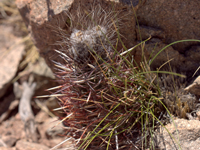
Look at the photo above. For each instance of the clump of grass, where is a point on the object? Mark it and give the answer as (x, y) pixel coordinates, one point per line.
(108, 103)
(105, 105)
(178, 101)
(111, 102)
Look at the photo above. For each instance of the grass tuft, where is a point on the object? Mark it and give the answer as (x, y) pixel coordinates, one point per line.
(109, 104)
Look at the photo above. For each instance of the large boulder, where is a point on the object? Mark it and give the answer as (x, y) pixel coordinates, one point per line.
(171, 21)
(176, 18)
(11, 51)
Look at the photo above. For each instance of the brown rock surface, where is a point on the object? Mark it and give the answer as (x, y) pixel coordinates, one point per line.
(24, 145)
(188, 135)
(186, 62)
(171, 21)
(9, 140)
(152, 48)
(194, 88)
(178, 19)
(13, 128)
(13, 134)
(7, 148)
(53, 128)
(9, 59)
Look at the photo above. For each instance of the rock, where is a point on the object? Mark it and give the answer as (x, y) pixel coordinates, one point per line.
(170, 22)
(13, 128)
(13, 105)
(52, 136)
(11, 52)
(41, 69)
(40, 16)
(198, 115)
(129, 2)
(24, 145)
(44, 19)
(5, 104)
(41, 117)
(153, 47)
(188, 135)
(70, 144)
(9, 140)
(52, 128)
(7, 148)
(179, 20)
(194, 88)
(192, 56)
(145, 32)
(189, 59)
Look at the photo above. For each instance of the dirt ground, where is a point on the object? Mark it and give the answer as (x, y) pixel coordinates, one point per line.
(13, 135)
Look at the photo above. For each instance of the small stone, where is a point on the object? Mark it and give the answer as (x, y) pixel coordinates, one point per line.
(24, 145)
(186, 133)
(198, 115)
(11, 53)
(9, 140)
(194, 88)
(7, 148)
